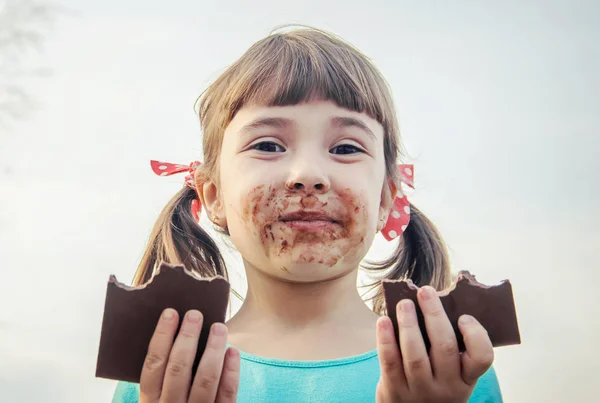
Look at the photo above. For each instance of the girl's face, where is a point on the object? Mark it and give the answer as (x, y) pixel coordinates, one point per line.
(302, 188)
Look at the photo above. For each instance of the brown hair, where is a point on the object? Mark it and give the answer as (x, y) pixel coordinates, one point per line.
(287, 68)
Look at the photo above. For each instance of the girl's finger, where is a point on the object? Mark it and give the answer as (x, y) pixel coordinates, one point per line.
(412, 347)
(153, 371)
(390, 361)
(230, 379)
(206, 381)
(444, 356)
(179, 368)
(479, 356)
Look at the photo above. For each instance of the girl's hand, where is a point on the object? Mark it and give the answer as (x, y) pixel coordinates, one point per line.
(167, 373)
(443, 376)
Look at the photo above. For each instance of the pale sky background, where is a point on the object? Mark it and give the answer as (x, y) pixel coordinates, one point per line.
(499, 106)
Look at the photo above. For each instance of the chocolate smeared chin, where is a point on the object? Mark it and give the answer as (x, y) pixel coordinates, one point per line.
(310, 225)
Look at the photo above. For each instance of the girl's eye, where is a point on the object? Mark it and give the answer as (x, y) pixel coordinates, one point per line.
(268, 146)
(345, 149)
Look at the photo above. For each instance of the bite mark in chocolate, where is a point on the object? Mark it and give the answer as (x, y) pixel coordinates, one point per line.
(492, 306)
(131, 315)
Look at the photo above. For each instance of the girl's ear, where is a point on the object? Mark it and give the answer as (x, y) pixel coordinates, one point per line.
(209, 196)
(388, 194)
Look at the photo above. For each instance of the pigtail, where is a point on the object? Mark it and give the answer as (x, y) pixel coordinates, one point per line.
(178, 239)
(421, 256)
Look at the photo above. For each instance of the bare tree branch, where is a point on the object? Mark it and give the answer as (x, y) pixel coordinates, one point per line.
(24, 26)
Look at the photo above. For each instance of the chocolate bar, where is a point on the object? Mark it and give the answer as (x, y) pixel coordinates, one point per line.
(492, 306)
(131, 315)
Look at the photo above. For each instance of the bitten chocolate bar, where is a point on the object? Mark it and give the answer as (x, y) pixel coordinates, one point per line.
(131, 315)
(492, 306)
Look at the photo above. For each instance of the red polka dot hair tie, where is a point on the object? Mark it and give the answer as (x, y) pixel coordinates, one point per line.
(400, 213)
(167, 169)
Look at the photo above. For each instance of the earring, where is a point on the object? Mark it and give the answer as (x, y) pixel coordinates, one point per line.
(215, 219)
(381, 220)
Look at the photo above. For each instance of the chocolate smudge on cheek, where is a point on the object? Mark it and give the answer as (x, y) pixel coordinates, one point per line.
(356, 222)
(252, 204)
(263, 206)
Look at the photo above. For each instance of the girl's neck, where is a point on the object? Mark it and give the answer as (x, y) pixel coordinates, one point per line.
(274, 311)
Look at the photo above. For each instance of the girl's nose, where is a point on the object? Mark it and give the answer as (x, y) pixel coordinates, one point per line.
(307, 173)
(317, 185)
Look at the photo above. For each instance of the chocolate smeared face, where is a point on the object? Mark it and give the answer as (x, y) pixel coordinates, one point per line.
(306, 228)
(303, 188)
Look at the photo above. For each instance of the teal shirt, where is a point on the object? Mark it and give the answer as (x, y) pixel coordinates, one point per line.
(347, 380)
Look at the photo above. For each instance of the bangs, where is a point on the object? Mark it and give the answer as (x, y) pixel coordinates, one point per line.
(292, 69)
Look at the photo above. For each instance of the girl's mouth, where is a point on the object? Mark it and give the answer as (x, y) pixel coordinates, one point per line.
(310, 225)
(309, 220)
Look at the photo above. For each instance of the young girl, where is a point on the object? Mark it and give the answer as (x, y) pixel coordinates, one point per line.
(300, 170)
